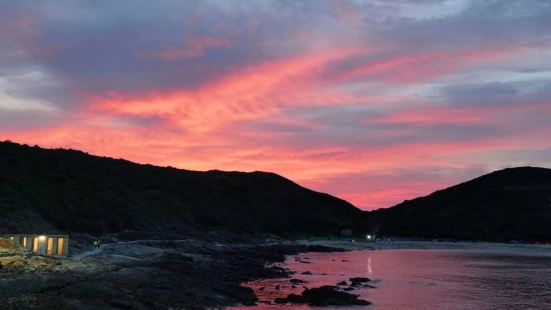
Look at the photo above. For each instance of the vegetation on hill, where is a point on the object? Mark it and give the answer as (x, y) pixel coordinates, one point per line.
(64, 190)
(510, 204)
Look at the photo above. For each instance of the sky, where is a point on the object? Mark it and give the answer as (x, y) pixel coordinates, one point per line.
(369, 100)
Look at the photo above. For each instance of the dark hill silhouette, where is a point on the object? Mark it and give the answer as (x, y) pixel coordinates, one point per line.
(510, 204)
(66, 190)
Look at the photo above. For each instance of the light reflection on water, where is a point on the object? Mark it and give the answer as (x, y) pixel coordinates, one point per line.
(423, 279)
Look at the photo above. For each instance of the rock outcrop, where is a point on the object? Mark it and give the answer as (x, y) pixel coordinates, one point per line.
(323, 296)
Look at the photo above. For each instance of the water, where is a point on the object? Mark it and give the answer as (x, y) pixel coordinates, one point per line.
(425, 279)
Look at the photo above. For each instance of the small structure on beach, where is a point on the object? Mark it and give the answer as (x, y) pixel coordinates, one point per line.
(51, 245)
(370, 238)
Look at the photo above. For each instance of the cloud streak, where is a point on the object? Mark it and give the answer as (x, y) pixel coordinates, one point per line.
(373, 101)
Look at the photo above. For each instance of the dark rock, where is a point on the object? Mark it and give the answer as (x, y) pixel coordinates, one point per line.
(213, 273)
(297, 281)
(323, 296)
(123, 304)
(360, 280)
(290, 299)
(307, 272)
(342, 283)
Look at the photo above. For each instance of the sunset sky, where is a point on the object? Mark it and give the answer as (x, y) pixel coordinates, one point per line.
(372, 101)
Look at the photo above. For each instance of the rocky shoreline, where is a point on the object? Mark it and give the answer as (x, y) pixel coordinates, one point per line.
(184, 273)
(322, 296)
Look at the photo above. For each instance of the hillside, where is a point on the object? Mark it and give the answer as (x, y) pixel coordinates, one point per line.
(510, 204)
(70, 191)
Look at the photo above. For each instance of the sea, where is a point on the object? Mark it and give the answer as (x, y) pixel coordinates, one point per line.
(479, 277)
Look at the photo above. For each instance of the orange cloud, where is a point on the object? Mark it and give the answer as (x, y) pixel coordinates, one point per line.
(248, 151)
(199, 129)
(248, 94)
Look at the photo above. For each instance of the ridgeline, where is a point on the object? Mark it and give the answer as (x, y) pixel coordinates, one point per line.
(510, 204)
(71, 191)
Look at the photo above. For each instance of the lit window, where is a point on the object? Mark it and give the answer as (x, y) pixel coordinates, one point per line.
(60, 247)
(35, 244)
(50, 246)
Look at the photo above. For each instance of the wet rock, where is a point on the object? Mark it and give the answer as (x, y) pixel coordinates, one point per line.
(359, 280)
(323, 296)
(290, 299)
(342, 283)
(297, 281)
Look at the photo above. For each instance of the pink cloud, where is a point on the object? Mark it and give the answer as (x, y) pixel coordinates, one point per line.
(431, 117)
(323, 168)
(248, 94)
(200, 128)
(418, 68)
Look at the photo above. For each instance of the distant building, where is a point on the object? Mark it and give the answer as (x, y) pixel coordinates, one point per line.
(51, 245)
(370, 238)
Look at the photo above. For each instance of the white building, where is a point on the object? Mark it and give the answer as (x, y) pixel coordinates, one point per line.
(52, 245)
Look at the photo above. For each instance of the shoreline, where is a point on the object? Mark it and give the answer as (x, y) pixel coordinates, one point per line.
(464, 246)
(197, 273)
(425, 245)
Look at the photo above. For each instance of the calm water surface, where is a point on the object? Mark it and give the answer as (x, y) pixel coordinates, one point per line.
(424, 279)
